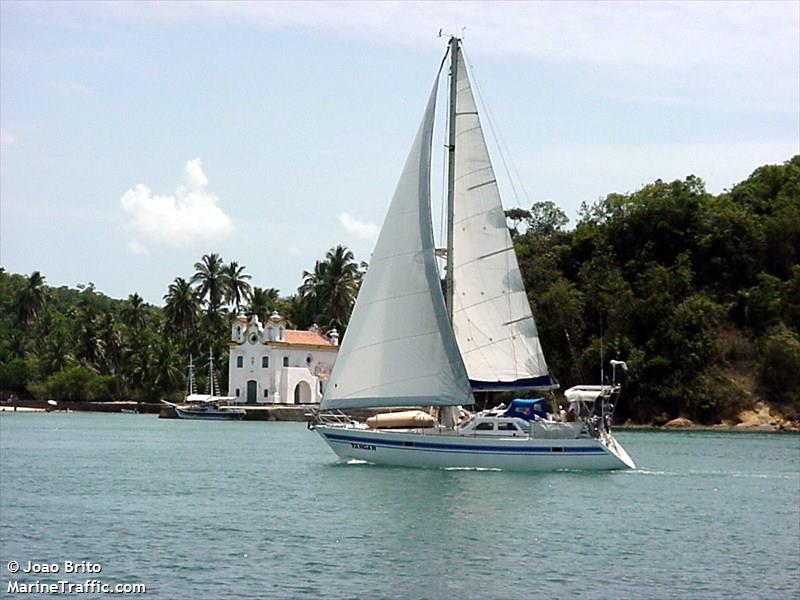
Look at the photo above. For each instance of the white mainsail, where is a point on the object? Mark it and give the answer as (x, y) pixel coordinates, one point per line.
(492, 318)
(399, 349)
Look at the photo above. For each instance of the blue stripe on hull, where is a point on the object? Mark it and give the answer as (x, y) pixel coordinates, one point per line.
(471, 448)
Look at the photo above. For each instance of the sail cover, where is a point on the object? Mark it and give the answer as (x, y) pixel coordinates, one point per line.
(492, 318)
(399, 349)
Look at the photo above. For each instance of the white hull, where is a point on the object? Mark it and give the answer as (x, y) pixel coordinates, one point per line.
(436, 450)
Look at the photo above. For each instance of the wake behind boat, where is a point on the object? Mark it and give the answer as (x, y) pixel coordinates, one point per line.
(408, 344)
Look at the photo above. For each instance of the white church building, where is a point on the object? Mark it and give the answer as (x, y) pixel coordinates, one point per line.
(270, 364)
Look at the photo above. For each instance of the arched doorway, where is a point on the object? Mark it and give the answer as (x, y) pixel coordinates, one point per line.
(302, 393)
(252, 391)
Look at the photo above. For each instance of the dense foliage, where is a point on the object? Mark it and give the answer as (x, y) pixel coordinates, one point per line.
(79, 344)
(699, 294)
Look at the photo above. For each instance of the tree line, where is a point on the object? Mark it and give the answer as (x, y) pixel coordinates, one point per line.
(79, 344)
(698, 293)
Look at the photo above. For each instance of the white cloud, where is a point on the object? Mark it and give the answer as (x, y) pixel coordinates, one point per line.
(709, 44)
(626, 32)
(360, 229)
(188, 217)
(193, 174)
(137, 247)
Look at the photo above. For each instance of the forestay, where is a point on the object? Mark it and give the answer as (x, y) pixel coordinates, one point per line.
(492, 318)
(399, 349)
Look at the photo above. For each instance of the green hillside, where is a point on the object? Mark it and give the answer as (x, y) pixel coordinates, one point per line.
(700, 294)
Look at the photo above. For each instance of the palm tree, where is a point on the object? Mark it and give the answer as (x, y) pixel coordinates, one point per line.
(56, 355)
(332, 286)
(211, 281)
(167, 370)
(343, 278)
(90, 348)
(111, 338)
(235, 283)
(262, 302)
(182, 307)
(138, 359)
(312, 289)
(133, 314)
(297, 311)
(31, 299)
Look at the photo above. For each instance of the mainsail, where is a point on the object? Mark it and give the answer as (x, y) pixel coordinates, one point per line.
(492, 318)
(399, 349)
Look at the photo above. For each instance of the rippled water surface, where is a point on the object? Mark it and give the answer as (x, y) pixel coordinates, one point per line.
(263, 510)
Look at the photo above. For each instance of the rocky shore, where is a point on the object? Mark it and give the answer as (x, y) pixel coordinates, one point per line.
(758, 419)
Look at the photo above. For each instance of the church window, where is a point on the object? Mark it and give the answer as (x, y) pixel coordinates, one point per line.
(265, 362)
(285, 361)
(266, 392)
(237, 392)
(239, 362)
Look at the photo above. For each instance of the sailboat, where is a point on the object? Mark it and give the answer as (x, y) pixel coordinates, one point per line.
(208, 407)
(409, 344)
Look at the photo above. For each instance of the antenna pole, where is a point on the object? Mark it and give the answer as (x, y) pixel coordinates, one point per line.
(602, 363)
(451, 174)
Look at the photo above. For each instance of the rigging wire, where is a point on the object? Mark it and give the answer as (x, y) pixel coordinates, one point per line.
(500, 143)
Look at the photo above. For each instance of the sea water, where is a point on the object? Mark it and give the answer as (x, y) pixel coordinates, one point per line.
(195, 509)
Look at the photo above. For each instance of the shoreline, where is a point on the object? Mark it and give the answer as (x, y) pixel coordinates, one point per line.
(718, 428)
(295, 413)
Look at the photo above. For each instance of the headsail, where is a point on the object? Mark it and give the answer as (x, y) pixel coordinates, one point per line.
(399, 349)
(492, 317)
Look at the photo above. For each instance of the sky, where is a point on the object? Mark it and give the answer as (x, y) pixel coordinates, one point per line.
(136, 137)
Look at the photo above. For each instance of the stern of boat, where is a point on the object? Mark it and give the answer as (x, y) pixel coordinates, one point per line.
(615, 448)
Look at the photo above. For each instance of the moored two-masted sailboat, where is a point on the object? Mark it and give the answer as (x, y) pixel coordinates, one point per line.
(408, 344)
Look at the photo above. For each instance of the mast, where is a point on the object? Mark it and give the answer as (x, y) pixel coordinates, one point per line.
(448, 415)
(190, 387)
(210, 372)
(451, 175)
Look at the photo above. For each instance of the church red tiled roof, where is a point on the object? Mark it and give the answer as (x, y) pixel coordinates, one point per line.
(307, 338)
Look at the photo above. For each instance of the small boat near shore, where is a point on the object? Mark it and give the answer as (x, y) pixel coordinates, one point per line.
(209, 411)
(207, 407)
